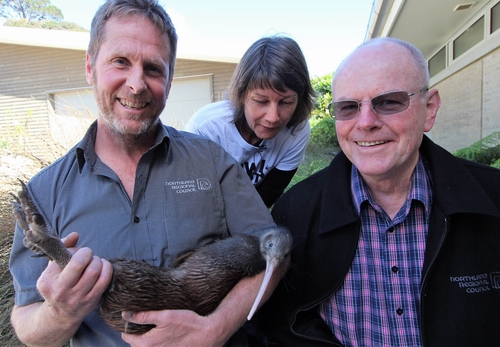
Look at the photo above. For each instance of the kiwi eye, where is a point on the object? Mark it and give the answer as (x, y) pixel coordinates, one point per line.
(271, 245)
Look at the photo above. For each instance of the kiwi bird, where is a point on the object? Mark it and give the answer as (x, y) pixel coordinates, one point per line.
(197, 280)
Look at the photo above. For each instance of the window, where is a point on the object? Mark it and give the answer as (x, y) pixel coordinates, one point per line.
(495, 18)
(469, 38)
(438, 62)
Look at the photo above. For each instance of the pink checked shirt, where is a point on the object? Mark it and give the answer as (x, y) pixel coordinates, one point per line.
(378, 303)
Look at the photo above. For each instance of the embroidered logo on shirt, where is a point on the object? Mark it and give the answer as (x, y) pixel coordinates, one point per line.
(204, 184)
(189, 186)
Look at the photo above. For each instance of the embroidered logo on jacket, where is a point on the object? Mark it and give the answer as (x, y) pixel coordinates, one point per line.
(495, 280)
(477, 283)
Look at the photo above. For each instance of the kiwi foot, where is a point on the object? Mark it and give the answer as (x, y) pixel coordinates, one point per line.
(38, 237)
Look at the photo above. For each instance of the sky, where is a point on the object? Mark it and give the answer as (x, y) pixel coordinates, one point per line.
(326, 30)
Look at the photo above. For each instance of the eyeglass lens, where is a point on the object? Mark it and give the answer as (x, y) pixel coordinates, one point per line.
(383, 104)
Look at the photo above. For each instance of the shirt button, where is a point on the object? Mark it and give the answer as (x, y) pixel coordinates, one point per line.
(395, 269)
(390, 230)
(399, 311)
(136, 219)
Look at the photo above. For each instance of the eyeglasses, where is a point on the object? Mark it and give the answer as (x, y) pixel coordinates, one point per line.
(383, 104)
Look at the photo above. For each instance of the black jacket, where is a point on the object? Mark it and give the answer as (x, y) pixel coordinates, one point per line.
(460, 289)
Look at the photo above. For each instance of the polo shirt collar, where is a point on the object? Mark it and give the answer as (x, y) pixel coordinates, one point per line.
(85, 149)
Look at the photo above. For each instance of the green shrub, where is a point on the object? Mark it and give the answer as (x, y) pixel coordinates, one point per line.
(496, 164)
(485, 151)
(323, 133)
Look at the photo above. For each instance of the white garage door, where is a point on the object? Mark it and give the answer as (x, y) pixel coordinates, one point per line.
(188, 94)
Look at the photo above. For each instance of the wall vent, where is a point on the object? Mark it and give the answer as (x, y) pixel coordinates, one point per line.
(464, 6)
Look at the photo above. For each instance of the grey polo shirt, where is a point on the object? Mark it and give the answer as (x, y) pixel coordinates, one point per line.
(187, 192)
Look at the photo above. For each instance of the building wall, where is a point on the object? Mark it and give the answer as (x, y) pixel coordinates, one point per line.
(27, 73)
(470, 104)
(491, 93)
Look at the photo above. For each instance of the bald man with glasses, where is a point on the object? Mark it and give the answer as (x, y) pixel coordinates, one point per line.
(397, 242)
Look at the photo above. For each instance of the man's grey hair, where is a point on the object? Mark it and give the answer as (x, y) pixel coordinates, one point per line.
(148, 8)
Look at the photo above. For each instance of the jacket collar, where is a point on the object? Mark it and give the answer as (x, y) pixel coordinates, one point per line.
(337, 206)
(456, 190)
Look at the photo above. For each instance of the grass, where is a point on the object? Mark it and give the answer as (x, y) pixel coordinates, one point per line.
(315, 159)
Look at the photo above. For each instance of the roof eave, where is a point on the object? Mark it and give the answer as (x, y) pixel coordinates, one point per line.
(77, 40)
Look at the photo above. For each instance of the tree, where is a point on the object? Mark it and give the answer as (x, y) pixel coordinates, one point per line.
(30, 10)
